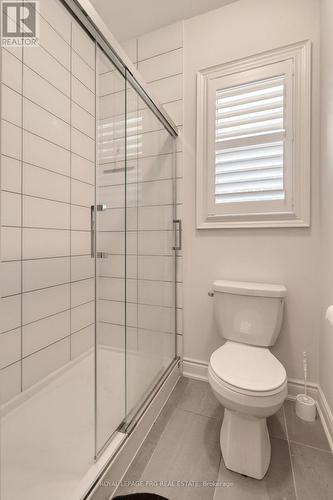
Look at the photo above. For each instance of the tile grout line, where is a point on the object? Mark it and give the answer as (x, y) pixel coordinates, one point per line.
(52, 315)
(298, 443)
(47, 287)
(148, 82)
(140, 328)
(40, 167)
(125, 82)
(33, 70)
(102, 164)
(111, 278)
(137, 183)
(87, 255)
(22, 216)
(47, 21)
(176, 407)
(218, 475)
(289, 450)
(45, 138)
(70, 191)
(159, 437)
(162, 78)
(159, 54)
(69, 44)
(94, 243)
(165, 103)
(63, 256)
(64, 94)
(195, 413)
(48, 110)
(47, 346)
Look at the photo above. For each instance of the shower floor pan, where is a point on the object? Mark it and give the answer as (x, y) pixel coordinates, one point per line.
(48, 432)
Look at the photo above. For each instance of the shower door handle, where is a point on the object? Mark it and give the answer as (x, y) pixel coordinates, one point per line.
(92, 231)
(179, 224)
(93, 253)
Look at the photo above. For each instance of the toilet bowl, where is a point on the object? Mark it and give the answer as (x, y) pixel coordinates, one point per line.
(245, 443)
(246, 378)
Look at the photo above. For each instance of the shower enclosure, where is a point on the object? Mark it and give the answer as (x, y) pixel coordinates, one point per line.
(89, 239)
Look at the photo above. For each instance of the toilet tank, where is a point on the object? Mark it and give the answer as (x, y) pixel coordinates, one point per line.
(250, 313)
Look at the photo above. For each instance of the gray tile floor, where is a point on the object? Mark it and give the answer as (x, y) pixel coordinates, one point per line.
(183, 445)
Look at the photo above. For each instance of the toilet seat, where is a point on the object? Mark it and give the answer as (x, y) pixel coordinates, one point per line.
(248, 370)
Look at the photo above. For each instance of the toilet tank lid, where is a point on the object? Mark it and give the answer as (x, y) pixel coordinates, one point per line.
(248, 288)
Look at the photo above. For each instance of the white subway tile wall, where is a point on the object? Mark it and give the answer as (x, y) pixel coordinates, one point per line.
(47, 187)
(159, 59)
(138, 293)
(110, 182)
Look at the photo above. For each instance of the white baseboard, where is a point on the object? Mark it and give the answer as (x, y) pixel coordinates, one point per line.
(192, 368)
(198, 370)
(326, 416)
(296, 386)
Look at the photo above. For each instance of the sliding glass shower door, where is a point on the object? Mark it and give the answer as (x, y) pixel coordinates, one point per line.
(150, 265)
(110, 216)
(135, 256)
(87, 323)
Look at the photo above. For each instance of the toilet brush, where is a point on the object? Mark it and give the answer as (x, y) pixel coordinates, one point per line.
(305, 405)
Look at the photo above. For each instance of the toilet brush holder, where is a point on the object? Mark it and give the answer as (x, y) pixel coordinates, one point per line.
(306, 407)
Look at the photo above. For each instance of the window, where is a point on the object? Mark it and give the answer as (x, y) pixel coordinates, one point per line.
(253, 141)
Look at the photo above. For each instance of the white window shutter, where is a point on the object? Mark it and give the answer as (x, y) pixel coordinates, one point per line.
(249, 151)
(253, 141)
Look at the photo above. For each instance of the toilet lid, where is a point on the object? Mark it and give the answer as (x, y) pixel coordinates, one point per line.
(248, 367)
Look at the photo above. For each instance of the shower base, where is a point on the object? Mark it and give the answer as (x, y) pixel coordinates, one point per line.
(48, 432)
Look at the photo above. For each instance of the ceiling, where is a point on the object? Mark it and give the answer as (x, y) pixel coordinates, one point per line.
(131, 18)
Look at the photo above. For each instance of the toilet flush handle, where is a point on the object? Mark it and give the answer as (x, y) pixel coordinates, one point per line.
(211, 294)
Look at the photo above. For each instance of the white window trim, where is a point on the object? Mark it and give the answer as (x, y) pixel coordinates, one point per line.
(299, 216)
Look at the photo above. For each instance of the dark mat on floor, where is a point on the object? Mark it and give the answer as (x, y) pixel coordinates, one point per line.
(141, 496)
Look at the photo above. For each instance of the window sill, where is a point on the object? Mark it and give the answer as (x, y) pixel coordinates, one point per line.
(217, 223)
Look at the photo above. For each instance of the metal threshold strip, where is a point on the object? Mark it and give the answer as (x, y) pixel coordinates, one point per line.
(85, 13)
(128, 427)
(133, 418)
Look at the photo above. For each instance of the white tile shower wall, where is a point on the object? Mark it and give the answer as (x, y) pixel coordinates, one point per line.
(159, 58)
(160, 61)
(47, 187)
(148, 191)
(110, 192)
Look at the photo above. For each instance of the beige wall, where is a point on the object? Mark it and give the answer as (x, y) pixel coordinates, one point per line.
(289, 256)
(326, 344)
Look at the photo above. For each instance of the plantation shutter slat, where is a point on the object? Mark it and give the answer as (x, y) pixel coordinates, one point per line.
(249, 147)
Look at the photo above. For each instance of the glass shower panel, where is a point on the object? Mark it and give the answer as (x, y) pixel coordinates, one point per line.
(110, 249)
(87, 324)
(150, 262)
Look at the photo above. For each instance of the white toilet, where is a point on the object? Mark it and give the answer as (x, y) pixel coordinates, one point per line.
(244, 375)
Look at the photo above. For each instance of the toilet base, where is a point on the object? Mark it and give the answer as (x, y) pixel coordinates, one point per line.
(245, 444)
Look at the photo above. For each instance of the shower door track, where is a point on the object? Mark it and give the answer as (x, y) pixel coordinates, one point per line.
(128, 425)
(127, 428)
(93, 23)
